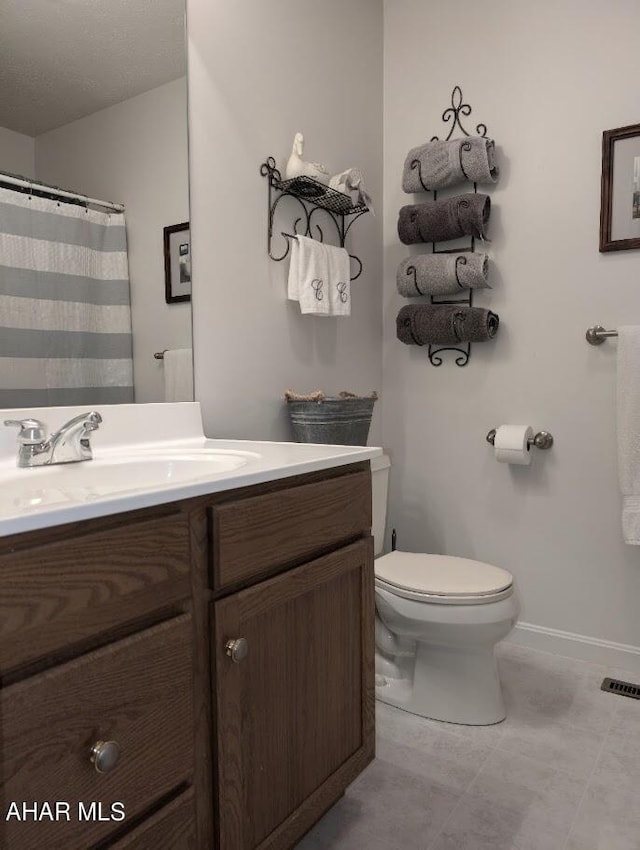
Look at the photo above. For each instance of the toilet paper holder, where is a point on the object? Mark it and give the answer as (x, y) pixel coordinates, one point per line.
(542, 440)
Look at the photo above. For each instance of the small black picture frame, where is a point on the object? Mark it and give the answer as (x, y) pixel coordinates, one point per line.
(177, 263)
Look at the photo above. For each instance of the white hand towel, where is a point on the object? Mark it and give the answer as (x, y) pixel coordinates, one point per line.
(339, 281)
(293, 283)
(628, 420)
(178, 375)
(313, 277)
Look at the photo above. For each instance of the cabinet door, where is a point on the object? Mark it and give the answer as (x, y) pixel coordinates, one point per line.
(295, 716)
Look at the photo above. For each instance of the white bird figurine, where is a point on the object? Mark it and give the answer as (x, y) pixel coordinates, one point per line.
(298, 167)
(350, 183)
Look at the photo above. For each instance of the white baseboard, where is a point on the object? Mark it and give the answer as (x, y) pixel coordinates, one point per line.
(585, 648)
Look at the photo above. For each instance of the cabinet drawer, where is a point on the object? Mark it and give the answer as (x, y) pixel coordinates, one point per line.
(253, 536)
(137, 692)
(57, 595)
(172, 828)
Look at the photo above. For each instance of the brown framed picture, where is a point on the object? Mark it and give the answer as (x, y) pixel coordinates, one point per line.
(620, 198)
(177, 263)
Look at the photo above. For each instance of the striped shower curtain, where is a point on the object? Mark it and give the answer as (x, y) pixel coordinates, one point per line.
(65, 314)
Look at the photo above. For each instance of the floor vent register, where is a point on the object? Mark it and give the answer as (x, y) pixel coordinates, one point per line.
(623, 689)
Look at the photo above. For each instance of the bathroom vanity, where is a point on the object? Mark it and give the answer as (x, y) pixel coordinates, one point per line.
(196, 672)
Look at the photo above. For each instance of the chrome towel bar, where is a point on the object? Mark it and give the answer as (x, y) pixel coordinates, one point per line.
(597, 335)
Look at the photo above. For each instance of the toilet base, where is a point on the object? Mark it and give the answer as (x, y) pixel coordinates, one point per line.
(447, 684)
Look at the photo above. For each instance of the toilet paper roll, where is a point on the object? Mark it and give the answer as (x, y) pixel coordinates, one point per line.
(511, 444)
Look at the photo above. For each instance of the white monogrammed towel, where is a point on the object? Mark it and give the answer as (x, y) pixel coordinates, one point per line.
(339, 281)
(308, 276)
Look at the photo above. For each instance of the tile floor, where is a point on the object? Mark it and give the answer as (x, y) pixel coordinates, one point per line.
(562, 772)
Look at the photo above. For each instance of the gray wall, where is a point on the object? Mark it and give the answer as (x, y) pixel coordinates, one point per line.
(547, 78)
(17, 153)
(259, 72)
(134, 153)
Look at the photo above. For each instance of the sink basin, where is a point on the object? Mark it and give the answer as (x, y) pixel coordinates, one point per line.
(113, 475)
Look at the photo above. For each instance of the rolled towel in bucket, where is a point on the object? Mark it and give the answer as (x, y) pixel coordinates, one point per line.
(445, 324)
(442, 274)
(438, 164)
(463, 215)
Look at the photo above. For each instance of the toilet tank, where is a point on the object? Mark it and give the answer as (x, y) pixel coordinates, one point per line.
(379, 487)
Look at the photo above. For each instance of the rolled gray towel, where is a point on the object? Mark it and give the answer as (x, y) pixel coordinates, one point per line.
(445, 324)
(442, 274)
(462, 215)
(439, 164)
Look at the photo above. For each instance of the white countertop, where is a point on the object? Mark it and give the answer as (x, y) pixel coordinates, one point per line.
(29, 502)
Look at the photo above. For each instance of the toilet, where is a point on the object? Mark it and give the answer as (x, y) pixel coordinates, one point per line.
(438, 620)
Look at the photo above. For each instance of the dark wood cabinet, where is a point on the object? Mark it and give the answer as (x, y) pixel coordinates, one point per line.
(293, 714)
(116, 629)
(99, 630)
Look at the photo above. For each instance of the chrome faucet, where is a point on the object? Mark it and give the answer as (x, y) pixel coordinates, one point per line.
(68, 444)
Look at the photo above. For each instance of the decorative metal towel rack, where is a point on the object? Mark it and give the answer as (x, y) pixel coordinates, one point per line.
(312, 196)
(596, 335)
(452, 113)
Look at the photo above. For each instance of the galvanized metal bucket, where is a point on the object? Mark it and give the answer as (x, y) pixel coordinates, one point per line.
(336, 421)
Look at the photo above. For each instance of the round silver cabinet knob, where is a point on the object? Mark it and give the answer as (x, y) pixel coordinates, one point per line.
(104, 756)
(237, 649)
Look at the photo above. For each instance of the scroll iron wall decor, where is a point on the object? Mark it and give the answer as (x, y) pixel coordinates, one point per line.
(454, 112)
(312, 196)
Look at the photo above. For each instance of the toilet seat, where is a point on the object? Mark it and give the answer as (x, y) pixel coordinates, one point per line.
(442, 579)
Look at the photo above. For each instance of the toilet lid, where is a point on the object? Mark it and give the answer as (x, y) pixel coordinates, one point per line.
(441, 575)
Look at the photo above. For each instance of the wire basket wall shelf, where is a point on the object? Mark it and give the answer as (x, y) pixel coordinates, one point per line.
(312, 198)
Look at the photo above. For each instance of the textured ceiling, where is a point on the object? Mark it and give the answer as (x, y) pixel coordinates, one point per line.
(64, 59)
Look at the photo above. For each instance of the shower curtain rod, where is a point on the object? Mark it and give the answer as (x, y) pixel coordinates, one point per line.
(53, 190)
